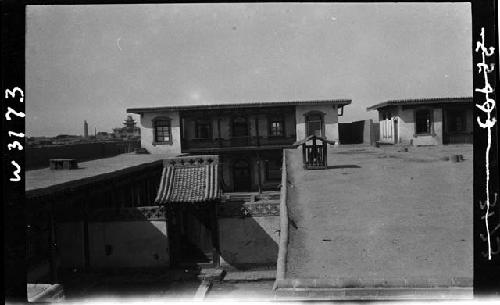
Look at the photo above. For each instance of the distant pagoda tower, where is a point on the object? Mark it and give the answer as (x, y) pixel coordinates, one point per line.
(129, 123)
(85, 129)
(128, 131)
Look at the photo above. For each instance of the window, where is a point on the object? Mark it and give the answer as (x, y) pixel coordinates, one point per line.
(202, 129)
(276, 127)
(273, 170)
(240, 127)
(423, 121)
(162, 130)
(314, 124)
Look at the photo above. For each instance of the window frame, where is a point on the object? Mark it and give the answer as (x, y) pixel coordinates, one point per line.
(197, 123)
(234, 122)
(275, 119)
(430, 131)
(155, 131)
(322, 121)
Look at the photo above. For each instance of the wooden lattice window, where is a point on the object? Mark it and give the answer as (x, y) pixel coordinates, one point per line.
(162, 131)
(315, 123)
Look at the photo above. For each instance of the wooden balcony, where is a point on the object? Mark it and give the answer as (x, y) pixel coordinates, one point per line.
(198, 145)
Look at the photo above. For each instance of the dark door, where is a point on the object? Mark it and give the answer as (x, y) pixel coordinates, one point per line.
(192, 241)
(241, 176)
(396, 137)
(455, 129)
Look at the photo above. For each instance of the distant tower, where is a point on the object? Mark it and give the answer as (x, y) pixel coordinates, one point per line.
(85, 129)
(129, 123)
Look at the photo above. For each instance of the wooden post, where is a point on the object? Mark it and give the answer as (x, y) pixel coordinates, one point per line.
(259, 178)
(257, 130)
(315, 152)
(218, 132)
(215, 236)
(304, 161)
(325, 157)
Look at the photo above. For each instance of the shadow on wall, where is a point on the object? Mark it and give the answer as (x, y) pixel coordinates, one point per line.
(126, 238)
(249, 241)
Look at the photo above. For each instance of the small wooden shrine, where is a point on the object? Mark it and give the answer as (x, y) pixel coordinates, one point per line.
(314, 151)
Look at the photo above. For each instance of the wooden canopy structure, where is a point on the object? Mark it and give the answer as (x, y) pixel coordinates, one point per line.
(314, 151)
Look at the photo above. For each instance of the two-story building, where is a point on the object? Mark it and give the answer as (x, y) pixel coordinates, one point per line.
(248, 137)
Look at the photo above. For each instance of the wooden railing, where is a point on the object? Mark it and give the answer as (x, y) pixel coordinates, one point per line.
(246, 141)
(315, 156)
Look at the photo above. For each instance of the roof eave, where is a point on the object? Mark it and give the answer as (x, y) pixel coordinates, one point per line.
(341, 102)
(394, 103)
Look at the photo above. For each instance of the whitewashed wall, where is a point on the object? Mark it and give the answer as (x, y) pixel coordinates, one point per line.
(147, 133)
(330, 120)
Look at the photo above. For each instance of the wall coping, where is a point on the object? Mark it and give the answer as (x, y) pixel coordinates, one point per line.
(283, 238)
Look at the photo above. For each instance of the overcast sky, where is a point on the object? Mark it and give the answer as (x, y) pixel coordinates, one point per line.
(93, 62)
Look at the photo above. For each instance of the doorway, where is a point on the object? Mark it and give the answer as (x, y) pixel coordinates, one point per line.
(387, 128)
(193, 235)
(241, 176)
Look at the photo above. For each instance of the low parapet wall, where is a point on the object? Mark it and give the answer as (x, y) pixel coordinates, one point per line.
(283, 241)
(38, 157)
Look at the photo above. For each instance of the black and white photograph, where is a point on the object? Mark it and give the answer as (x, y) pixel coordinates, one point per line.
(263, 152)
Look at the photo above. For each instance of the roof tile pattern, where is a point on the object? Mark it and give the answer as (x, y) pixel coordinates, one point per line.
(189, 180)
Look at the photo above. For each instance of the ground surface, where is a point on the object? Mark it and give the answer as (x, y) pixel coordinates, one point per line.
(377, 213)
(167, 285)
(241, 291)
(147, 285)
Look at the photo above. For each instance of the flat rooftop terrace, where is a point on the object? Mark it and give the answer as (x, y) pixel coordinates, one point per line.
(377, 215)
(47, 180)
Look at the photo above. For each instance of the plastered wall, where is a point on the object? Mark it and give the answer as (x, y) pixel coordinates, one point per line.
(406, 131)
(249, 241)
(147, 133)
(330, 120)
(128, 244)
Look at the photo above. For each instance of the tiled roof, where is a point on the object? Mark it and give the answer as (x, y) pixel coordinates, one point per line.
(422, 101)
(189, 179)
(340, 102)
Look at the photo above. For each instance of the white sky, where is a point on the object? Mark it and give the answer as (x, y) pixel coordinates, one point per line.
(93, 62)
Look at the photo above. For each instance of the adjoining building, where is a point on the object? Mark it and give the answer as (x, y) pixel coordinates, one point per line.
(430, 121)
(248, 137)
